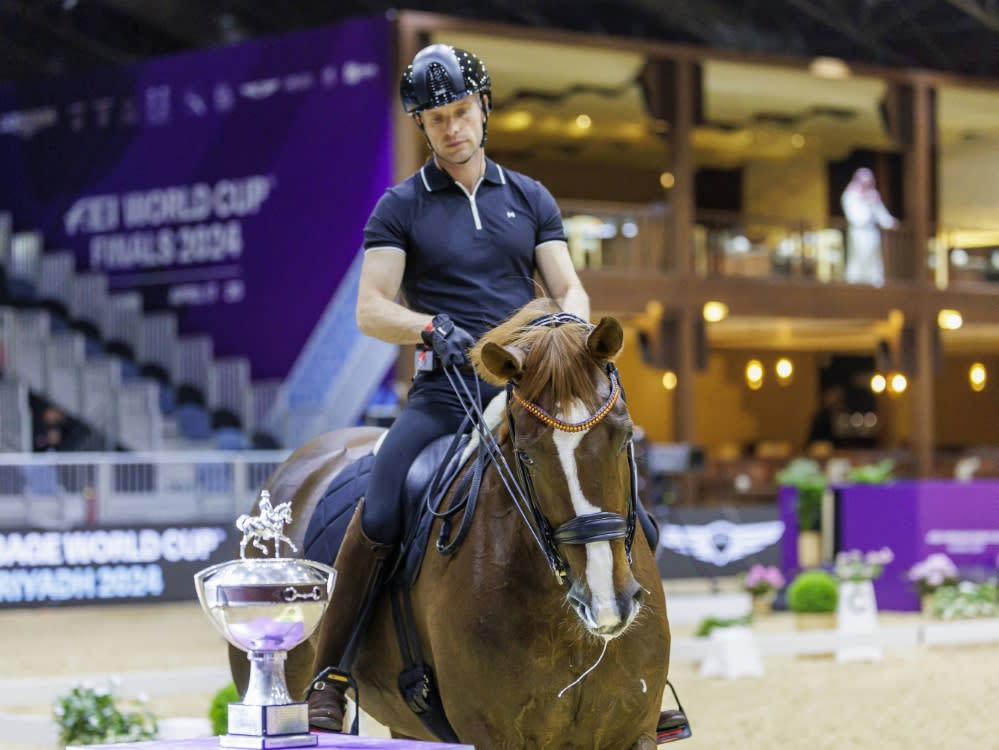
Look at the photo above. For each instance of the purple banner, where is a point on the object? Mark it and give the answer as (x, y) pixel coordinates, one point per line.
(230, 185)
(914, 519)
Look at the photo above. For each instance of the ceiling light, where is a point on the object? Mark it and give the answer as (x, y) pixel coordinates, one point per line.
(829, 67)
(583, 122)
(897, 383)
(714, 311)
(754, 374)
(977, 376)
(878, 383)
(667, 180)
(798, 140)
(517, 120)
(784, 369)
(669, 380)
(949, 320)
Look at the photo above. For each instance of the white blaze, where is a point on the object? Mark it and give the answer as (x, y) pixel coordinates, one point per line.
(599, 561)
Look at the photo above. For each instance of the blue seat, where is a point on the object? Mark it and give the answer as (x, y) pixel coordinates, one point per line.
(230, 439)
(193, 422)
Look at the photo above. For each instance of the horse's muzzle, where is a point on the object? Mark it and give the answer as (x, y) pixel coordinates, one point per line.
(608, 621)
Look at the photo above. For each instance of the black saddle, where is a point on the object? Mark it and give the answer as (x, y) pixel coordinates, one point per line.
(433, 472)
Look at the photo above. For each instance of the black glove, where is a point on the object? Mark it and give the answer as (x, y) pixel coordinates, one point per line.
(449, 342)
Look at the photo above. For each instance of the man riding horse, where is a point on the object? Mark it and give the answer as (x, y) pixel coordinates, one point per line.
(461, 239)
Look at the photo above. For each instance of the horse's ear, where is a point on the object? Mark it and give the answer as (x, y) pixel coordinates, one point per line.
(606, 340)
(504, 363)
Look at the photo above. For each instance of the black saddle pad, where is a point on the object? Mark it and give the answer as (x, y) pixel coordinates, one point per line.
(328, 524)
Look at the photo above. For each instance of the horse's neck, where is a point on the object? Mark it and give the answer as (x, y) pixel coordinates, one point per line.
(503, 534)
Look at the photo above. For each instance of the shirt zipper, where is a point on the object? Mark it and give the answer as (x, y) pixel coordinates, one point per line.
(471, 201)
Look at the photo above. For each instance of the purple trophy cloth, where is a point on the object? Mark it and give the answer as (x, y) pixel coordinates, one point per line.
(265, 634)
(338, 741)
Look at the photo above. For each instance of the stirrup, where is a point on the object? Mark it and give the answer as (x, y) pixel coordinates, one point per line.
(673, 724)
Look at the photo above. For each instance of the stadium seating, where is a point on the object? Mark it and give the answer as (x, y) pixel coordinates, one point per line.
(125, 373)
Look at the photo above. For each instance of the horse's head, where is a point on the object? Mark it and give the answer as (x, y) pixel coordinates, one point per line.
(572, 435)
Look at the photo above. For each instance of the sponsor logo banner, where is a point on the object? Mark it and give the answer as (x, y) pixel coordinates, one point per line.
(696, 542)
(113, 565)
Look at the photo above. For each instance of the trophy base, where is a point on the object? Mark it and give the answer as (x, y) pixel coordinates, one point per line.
(282, 740)
(285, 725)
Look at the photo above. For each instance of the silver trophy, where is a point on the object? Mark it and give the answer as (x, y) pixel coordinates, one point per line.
(266, 607)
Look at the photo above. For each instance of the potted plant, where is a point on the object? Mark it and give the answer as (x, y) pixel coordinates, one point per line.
(712, 622)
(807, 478)
(854, 566)
(88, 715)
(929, 574)
(876, 473)
(813, 596)
(763, 582)
(857, 610)
(966, 600)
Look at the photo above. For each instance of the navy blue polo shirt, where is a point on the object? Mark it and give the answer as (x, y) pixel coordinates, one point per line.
(468, 255)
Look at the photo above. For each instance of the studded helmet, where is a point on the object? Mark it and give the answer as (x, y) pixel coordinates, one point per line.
(441, 74)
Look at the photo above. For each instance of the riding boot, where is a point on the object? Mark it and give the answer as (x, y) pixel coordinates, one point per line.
(358, 565)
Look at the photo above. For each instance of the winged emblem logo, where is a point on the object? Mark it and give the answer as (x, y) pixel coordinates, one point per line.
(720, 542)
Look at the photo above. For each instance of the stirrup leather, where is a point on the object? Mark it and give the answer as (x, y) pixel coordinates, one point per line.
(673, 724)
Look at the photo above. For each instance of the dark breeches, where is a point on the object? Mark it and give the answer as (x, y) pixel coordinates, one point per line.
(432, 409)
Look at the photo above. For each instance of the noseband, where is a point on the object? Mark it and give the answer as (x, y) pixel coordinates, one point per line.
(594, 527)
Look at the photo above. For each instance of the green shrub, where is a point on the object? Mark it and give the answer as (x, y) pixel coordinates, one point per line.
(813, 591)
(219, 711)
(708, 624)
(88, 715)
(879, 473)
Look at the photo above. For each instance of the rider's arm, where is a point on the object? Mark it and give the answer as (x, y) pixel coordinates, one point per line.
(559, 275)
(378, 313)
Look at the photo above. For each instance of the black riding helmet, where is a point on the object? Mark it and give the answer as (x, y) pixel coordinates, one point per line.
(441, 74)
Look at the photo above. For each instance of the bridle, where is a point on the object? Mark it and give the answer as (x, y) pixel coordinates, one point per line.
(594, 527)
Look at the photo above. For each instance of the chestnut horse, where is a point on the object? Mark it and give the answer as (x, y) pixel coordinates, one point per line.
(523, 658)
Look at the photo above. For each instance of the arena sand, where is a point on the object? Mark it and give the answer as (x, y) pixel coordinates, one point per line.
(916, 697)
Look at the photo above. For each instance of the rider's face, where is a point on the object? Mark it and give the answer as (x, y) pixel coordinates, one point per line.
(455, 130)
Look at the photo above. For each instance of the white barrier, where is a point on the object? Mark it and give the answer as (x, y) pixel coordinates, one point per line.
(57, 490)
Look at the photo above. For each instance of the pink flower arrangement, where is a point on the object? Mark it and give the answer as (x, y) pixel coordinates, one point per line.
(762, 579)
(935, 571)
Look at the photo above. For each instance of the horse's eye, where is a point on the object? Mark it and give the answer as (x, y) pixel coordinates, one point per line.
(525, 459)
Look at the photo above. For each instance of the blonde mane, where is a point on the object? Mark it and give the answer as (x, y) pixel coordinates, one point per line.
(557, 361)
